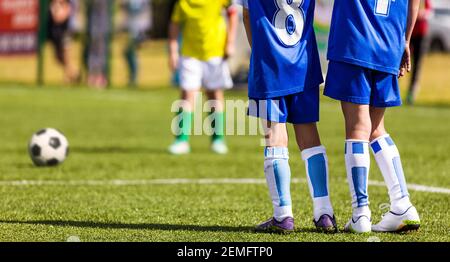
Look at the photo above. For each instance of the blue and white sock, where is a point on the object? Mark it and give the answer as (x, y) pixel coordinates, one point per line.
(316, 163)
(278, 176)
(357, 162)
(388, 160)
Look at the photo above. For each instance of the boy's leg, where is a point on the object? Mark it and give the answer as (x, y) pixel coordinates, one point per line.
(184, 115)
(72, 75)
(402, 215)
(188, 96)
(216, 98)
(357, 161)
(388, 160)
(278, 176)
(191, 73)
(132, 62)
(316, 163)
(352, 85)
(216, 79)
(303, 111)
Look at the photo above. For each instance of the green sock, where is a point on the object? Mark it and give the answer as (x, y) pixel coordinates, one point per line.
(218, 125)
(185, 125)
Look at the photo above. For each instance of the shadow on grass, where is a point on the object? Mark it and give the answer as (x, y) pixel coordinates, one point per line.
(144, 226)
(150, 226)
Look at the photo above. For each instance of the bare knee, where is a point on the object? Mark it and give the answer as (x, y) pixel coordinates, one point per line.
(275, 134)
(359, 130)
(216, 99)
(188, 98)
(357, 121)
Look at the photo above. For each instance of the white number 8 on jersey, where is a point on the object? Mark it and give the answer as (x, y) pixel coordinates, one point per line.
(289, 21)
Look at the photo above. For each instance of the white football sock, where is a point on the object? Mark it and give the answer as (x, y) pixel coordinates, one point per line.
(357, 162)
(278, 176)
(388, 160)
(316, 163)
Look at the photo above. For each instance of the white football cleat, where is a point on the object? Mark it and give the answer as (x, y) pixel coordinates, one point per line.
(362, 224)
(218, 146)
(180, 148)
(392, 222)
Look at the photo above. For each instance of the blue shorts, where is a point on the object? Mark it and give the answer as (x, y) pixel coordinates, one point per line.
(299, 108)
(359, 85)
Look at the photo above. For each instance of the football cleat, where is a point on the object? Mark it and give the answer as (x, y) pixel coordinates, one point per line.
(179, 148)
(273, 226)
(326, 224)
(392, 222)
(218, 146)
(362, 224)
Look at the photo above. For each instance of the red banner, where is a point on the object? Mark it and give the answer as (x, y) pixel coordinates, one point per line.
(19, 22)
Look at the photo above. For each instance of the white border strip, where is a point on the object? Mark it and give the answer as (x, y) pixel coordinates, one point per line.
(178, 181)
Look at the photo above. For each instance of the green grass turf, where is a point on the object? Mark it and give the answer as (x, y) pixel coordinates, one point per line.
(121, 134)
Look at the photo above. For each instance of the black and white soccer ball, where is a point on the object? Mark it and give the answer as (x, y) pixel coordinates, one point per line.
(48, 147)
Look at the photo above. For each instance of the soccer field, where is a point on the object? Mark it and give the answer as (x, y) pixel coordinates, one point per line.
(119, 184)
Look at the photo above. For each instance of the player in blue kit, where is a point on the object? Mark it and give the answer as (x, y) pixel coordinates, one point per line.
(368, 52)
(284, 80)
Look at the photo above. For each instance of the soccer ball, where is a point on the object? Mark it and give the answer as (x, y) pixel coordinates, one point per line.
(48, 147)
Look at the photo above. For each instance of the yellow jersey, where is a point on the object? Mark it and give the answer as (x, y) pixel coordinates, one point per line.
(203, 27)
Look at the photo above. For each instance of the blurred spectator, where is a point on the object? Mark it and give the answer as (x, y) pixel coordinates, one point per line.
(138, 23)
(60, 12)
(418, 48)
(99, 27)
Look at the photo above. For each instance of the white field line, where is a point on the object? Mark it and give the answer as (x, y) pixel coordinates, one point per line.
(416, 187)
(178, 181)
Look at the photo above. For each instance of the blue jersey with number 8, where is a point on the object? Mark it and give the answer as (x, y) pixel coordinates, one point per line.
(285, 59)
(369, 33)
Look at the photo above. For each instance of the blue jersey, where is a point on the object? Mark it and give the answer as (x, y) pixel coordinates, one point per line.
(369, 33)
(285, 59)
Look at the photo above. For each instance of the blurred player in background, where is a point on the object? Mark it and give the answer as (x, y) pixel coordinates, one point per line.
(59, 35)
(284, 79)
(207, 42)
(418, 48)
(99, 25)
(367, 46)
(138, 23)
(175, 78)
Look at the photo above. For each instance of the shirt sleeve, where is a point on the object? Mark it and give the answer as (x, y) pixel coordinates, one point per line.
(228, 3)
(176, 14)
